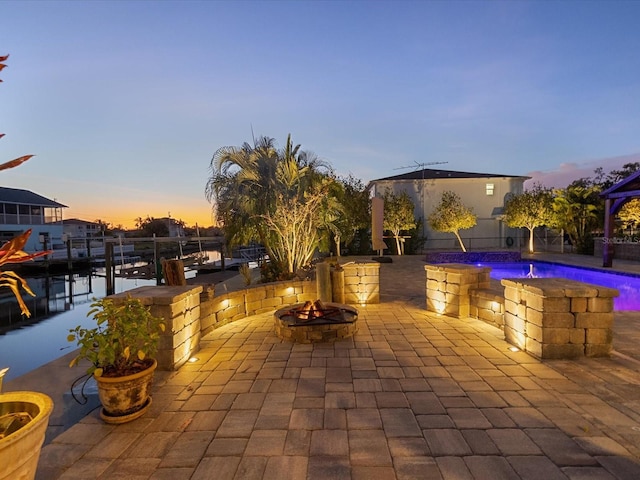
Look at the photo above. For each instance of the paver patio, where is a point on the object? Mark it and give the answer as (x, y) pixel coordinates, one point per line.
(412, 395)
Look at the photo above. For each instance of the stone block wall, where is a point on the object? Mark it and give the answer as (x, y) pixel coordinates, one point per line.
(180, 308)
(361, 283)
(621, 250)
(558, 318)
(228, 307)
(194, 310)
(449, 287)
(487, 305)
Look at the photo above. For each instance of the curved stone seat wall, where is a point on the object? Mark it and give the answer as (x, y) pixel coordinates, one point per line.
(191, 311)
(361, 286)
(218, 310)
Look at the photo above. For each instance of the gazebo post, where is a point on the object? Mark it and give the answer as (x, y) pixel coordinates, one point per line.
(607, 247)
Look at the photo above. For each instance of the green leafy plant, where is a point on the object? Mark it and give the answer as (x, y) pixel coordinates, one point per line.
(245, 271)
(123, 342)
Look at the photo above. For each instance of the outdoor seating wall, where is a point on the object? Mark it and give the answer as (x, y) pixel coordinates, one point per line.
(220, 309)
(191, 311)
(546, 317)
(361, 285)
(180, 308)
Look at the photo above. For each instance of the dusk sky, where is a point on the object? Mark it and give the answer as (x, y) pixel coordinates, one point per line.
(124, 103)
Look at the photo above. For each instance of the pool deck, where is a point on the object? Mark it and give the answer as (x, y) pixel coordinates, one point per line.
(412, 395)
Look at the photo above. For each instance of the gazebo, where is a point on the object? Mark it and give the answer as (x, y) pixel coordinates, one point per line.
(614, 198)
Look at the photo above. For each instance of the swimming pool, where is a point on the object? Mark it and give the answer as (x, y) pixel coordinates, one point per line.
(627, 284)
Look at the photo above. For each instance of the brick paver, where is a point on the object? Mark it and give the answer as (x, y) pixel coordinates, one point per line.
(411, 395)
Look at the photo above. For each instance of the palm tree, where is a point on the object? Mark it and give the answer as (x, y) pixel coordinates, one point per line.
(577, 210)
(241, 188)
(271, 196)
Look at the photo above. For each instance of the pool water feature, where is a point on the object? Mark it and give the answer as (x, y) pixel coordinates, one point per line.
(627, 284)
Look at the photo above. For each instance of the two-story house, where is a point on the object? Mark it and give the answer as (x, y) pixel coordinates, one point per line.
(23, 209)
(485, 193)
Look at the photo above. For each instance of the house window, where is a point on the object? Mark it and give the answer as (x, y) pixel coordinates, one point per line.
(489, 188)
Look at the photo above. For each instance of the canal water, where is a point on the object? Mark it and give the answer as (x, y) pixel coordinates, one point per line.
(61, 303)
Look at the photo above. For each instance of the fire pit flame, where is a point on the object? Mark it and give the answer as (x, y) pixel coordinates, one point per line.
(315, 310)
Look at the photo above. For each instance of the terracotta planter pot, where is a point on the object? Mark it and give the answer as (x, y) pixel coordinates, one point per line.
(125, 398)
(20, 450)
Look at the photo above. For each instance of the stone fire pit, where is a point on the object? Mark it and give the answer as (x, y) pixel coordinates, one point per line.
(314, 322)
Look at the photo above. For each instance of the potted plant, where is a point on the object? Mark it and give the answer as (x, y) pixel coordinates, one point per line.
(120, 350)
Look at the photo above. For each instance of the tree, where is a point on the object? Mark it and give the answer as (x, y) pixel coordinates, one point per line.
(578, 209)
(531, 209)
(295, 221)
(260, 193)
(105, 227)
(352, 210)
(151, 226)
(605, 181)
(398, 215)
(629, 214)
(451, 216)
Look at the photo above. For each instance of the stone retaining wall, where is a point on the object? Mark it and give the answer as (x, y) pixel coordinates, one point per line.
(621, 250)
(361, 286)
(546, 317)
(194, 310)
(180, 309)
(473, 257)
(487, 304)
(449, 286)
(559, 318)
(228, 307)
(361, 283)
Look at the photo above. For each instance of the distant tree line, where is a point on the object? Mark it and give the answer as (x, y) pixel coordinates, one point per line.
(577, 210)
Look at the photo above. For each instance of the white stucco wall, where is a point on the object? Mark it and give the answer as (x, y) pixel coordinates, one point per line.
(426, 194)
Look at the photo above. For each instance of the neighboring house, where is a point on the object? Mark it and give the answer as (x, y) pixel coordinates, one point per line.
(76, 228)
(485, 193)
(22, 209)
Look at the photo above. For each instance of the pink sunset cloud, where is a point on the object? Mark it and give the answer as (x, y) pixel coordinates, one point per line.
(568, 172)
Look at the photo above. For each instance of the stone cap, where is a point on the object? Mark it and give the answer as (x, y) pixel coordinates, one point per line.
(158, 295)
(559, 287)
(455, 267)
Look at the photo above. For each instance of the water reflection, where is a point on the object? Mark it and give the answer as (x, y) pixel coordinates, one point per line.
(61, 303)
(54, 294)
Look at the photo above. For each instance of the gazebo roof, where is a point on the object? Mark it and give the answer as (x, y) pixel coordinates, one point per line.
(624, 189)
(615, 197)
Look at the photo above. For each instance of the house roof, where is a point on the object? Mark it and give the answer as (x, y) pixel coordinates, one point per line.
(77, 221)
(26, 197)
(431, 174)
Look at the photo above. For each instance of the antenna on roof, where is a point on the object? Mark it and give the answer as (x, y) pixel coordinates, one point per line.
(420, 165)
